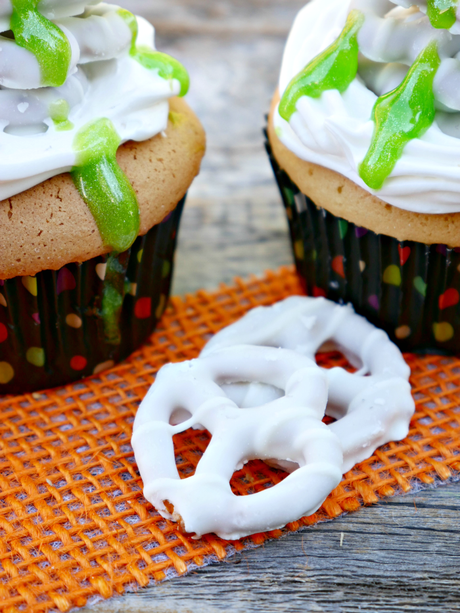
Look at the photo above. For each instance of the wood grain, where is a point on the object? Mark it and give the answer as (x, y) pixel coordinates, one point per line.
(401, 555)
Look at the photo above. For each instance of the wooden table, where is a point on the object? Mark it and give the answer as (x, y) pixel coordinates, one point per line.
(400, 555)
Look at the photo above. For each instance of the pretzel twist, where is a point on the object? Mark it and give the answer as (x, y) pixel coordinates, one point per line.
(287, 428)
(372, 407)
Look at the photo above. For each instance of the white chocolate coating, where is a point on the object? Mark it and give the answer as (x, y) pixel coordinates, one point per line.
(336, 129)
(372, 407)
(288, 428)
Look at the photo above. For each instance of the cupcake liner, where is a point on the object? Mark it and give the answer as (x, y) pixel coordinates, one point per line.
(60, 326)
(409, 289)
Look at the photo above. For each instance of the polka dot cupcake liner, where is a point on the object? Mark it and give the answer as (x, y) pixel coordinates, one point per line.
(409, 289)
(61, 326)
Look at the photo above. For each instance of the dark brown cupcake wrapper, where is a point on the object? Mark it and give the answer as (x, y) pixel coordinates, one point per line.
(56, 327)
(409, 289)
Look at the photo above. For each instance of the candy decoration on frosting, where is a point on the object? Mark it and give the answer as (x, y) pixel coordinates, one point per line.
(400, 116)
(104, 186)
(167, 66)
(334, 68)
(442, 13)
(44, 39)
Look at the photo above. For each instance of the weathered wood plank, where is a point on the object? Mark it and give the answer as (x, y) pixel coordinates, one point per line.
(400, 555)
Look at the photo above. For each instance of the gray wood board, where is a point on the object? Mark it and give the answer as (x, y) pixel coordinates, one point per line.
(400, 555)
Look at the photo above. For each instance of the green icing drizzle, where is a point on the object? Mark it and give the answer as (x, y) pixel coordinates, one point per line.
(167, 67)
(45, 40)
(335, 68)
(104, 186)
(59, 112)
(442, 13)
(113, 295)
(400, 116)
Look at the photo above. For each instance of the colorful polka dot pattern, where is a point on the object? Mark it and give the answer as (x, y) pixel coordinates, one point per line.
(410, 289)
(60, 335)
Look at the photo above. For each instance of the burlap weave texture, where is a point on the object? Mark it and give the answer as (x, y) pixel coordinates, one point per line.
(73, 521)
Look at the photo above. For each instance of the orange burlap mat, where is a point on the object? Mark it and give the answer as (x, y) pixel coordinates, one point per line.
(73, 521)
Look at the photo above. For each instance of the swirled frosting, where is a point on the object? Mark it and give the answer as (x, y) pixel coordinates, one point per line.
(77, 79)
(371, 89)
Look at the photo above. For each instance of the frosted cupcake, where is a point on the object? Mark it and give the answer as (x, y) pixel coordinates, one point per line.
(364, 136)
(97, 151)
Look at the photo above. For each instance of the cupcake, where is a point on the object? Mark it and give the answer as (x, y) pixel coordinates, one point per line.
(364, 138)
(97, 151)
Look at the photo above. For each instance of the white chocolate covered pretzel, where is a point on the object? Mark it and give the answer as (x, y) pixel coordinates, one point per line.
(372, 407)
(287, 428)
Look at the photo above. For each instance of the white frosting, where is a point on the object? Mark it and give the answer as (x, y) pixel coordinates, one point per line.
(372, 407)
(422, 5)
(287, 428)
(119, 88)
(335, 130)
